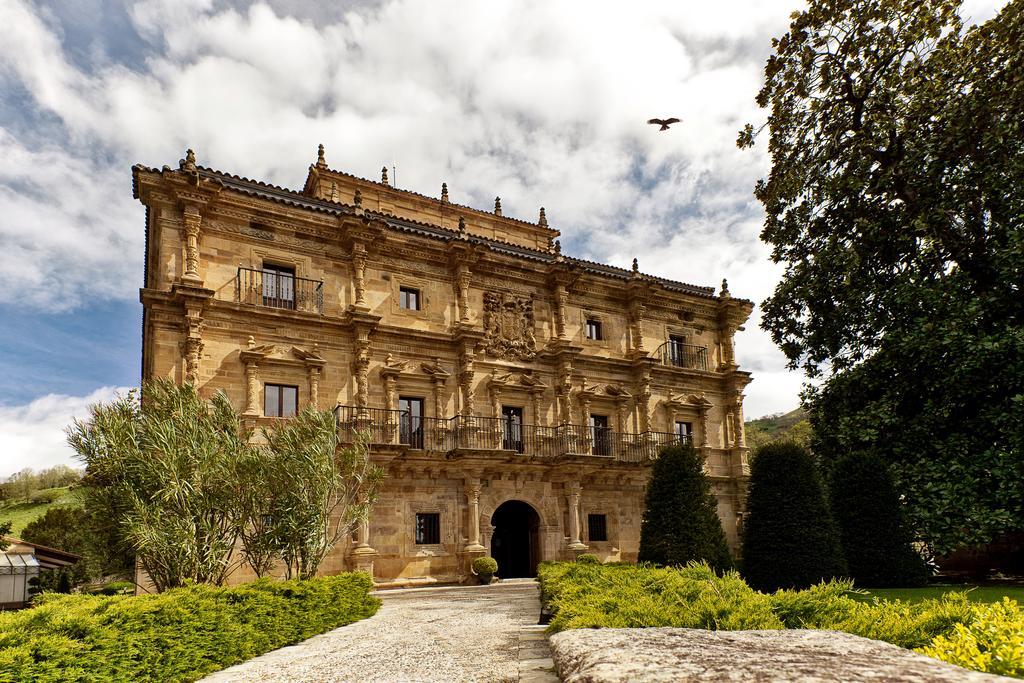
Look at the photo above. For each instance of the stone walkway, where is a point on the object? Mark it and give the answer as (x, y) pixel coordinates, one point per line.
(465, 633)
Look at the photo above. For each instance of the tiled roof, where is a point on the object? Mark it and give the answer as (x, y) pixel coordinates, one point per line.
(433, 199)
(283, 195)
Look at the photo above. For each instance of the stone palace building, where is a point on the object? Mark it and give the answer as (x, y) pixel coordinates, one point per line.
(516, 396)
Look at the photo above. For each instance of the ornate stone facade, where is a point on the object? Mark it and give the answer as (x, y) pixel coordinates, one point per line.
(489, 367)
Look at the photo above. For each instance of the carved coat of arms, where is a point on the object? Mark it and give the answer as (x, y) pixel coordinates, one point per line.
(508, 325)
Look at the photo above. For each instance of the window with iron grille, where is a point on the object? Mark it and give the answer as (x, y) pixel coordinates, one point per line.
(280, 400)
(278, 286)
(597, 527)
(684, 430)
(428, 528)
(409, 298)
(594, 329)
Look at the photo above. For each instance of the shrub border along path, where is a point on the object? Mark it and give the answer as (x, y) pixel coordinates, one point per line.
(180, 635)
(984, 637)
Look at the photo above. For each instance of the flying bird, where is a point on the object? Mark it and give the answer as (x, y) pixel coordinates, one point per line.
(664, 123)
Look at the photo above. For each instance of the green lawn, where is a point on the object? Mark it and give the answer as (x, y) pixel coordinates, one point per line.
(974, 593)
(22, 512)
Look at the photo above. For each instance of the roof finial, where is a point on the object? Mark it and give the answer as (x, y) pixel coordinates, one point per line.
(497, 206)
(358, 199)
(321, 162)
(543, 221)
(558, 247)
(444, 192)
(462, 226)
(188, 165)
(384, 175)
(251, 344)
(636, 266)
(725, 289)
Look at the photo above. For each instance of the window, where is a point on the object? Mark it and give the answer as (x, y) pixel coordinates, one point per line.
(677, 350)
(684, 430)
(411, 421)
(280, 400)
(278, 286)
(594, 329)
(409, 298)
(600, 435)
(597, 528)
(428, 528)
(512, 428)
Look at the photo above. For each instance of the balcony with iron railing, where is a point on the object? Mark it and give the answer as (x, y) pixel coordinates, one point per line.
(275, 289)
(679, 355)
(463, 434)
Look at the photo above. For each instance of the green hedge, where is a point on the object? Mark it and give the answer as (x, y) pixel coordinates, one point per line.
(623, 596)
(180, 635)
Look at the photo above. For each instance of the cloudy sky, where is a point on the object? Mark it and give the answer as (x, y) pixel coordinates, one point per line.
(542, 103)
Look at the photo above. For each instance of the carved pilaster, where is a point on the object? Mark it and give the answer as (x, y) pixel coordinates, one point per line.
(192, 221)
(726, 335)
(636, 335)
(359, 275)
(361, 370)
(741, 437)
(561, 303)
(466, 382)
(462, 292)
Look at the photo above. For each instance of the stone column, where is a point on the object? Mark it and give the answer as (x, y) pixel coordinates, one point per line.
(466, 384)
(573, 490)
(314, 387)
(726, 335)
(252, 383)
(561, 300)
(741, 437)
(702, 417)
(462, 288)
(359, 274)
(193, 348)
(192, 222)
(363, 553)
(473, 513)
(438, 397)
(535, 397)
(636, 333)
(361, 368)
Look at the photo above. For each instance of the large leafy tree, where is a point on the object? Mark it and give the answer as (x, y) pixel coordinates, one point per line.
(895, 202)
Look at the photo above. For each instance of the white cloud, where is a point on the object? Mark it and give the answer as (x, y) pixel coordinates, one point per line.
(542, 103)
(33, 436)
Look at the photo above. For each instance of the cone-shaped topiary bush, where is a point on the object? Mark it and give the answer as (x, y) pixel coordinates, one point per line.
(789, 537)
(872, 532)
(680, 522)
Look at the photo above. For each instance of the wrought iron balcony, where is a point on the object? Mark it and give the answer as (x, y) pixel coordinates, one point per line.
(679, 355)
(475, 433)
(277, 289)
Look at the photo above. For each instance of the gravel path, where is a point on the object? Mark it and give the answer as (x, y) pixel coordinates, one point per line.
(465, 633)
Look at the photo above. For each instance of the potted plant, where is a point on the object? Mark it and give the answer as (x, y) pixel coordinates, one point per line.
(484, 568)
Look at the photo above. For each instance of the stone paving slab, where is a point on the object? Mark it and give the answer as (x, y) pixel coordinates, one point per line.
(680, 655)
(464, 633)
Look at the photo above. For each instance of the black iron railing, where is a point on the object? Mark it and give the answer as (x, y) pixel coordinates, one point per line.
(279, 290)
(679, 355)
(477, 433)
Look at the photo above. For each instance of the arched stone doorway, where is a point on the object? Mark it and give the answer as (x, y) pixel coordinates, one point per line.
(515, 543)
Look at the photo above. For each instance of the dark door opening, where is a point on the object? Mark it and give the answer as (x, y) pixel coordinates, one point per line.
(512, 429)
(600, 435)
(411, 421)
(515, 543)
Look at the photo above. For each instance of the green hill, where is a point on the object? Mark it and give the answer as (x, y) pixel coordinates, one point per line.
(21, 512)
(791, 425)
